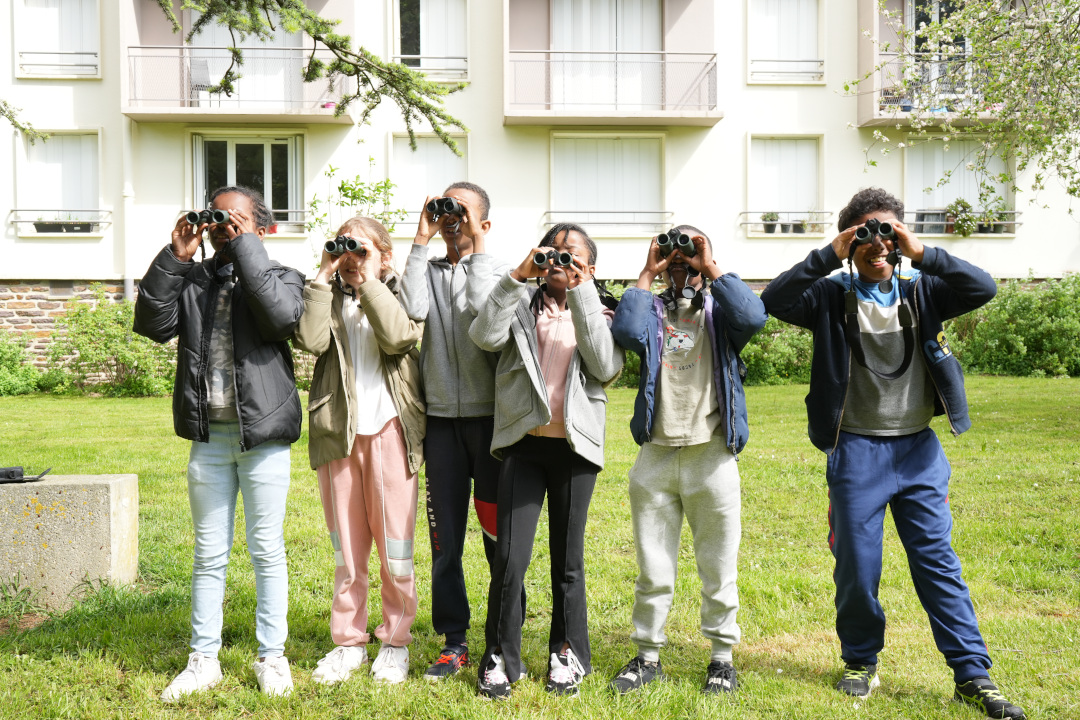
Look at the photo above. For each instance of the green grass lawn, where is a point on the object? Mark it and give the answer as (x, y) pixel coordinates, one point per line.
(1015, 497)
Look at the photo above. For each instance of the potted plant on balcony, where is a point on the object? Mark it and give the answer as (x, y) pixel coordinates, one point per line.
(73, 225)
(992, 218)
(768, 220)
(799, 226)
(42, 225)
(964, 221)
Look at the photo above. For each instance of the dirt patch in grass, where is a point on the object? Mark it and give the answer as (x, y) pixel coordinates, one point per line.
(25, 622)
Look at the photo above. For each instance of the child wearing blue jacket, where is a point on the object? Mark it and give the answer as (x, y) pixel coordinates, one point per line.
(690, 420)
(881, 370)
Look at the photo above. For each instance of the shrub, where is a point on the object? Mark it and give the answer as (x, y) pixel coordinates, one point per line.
(17, 375)
(93, 344)
(1027, 330)
(778, 354)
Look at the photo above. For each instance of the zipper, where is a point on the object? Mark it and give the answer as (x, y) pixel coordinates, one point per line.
(202, 400)
(843, 403)
(453, 338)
(236, 370)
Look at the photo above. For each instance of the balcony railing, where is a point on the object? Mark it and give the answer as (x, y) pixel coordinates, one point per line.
(51, 63)
(437, 67)
(632, 81)
(630, 222)
(780, 71)
(925, 82)
(171, 76)
(937, 221)
(51, 221)
(786, 222)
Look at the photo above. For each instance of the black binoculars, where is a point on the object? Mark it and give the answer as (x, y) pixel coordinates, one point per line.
(203, 217)
(674, 240)
(553, 258)
(343, 244)
(874, 227)
(444, 206)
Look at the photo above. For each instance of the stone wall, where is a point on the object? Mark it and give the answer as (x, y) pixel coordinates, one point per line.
(30, 307)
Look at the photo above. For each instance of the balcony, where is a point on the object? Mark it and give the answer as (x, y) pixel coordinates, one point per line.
(557, 87)
(45, 64)
(613, 223)
(52, 222)
(923, 84)
(170, 83)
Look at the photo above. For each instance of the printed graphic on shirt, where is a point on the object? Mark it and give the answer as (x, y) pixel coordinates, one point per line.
(679, 344)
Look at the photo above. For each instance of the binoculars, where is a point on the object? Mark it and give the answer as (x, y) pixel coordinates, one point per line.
(343, 244)
(553, 258)
(203, 217)
(444, 206)
(673, 240)
(874, 227)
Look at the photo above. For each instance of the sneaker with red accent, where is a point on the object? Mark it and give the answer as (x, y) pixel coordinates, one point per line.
(451, 659)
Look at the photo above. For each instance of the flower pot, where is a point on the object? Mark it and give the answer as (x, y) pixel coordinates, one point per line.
(78, 227)
(785, 227)
(48, 227)
(798, 228)
(770, 227)
(984, 228)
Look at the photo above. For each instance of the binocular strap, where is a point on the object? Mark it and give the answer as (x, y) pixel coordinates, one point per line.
(854, 335)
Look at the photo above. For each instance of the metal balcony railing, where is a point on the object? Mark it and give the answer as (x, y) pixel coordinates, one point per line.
(437, 66)
(45, 63)
(171, 76)
(937, 221)
(786, 221)
(636, 81)
(634, 222)
(54, 220)
(777, 70)
(927, 83)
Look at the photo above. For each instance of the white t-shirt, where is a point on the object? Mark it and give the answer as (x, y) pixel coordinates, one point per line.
(374, 403)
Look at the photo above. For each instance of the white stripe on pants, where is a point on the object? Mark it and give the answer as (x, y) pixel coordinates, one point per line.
(702, 482)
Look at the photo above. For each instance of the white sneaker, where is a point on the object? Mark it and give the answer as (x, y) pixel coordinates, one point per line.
(339, 664)
(273, 675)
(202, 673)
(391, 665)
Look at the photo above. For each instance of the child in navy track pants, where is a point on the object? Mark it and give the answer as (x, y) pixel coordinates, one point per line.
(882, 370)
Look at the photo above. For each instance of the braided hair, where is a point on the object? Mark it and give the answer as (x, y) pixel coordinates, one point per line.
(606, 298)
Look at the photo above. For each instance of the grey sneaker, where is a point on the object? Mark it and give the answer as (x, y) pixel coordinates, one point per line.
(858, 680)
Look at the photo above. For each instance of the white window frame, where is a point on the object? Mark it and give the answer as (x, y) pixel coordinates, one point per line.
(393, 9)
(26, 211)
(413, 214)
(637, 232)
(914, 205)
(22, 20)
(748, 44)
(193, 162)
(751, 217)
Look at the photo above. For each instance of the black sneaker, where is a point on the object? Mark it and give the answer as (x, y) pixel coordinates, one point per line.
(451, 659)
(720, 677)
(636, 673)
(565, 674)
(983, 694)
(858, 680)
(492, 682)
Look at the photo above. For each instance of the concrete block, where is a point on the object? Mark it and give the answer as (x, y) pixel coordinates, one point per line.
(64, 529)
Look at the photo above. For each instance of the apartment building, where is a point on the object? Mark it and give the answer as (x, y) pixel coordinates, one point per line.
(623, 115)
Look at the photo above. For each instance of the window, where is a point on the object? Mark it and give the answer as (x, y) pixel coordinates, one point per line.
(614, 184)
(58, 192)
(784, 42)
(433, 37)
(785, 179)
(271, 165)
(61, 39)
(426, 171)
(927, 163)
(607, 54)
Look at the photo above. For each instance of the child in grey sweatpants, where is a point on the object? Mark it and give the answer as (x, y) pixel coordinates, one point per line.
(690, 420)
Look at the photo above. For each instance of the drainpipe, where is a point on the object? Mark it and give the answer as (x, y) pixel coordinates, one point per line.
(120, 229)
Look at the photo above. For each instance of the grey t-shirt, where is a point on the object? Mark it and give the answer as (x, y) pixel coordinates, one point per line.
(687, 412)
(219, 372)
(875, 406)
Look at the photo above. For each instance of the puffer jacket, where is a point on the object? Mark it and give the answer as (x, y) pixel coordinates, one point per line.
(507, 324)
(178, 299)
(332, 400)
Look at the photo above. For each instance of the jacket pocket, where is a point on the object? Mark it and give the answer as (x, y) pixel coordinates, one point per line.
(513, 393)
(588, 406)
(321, 417)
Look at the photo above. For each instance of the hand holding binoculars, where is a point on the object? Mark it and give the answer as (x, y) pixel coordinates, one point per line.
(444, 206)
(553, 258)
(673, 240)
(343, 244)
(207, 217)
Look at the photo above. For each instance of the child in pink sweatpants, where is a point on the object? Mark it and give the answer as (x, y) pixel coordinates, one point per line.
(366, 436)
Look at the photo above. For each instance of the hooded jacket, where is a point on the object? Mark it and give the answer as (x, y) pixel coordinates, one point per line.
(733, 313)
(332, 400)
(946, 288)
(178, 299)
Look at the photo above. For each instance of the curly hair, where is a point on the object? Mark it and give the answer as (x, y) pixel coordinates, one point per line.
(866, 201)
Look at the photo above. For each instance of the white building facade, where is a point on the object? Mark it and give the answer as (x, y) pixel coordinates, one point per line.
(625, 116)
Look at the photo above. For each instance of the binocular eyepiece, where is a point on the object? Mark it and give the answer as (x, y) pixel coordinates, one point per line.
(553, 258)
(673, 240)
(874, 227)
(444, 206)
(343, 244)
(203, 217)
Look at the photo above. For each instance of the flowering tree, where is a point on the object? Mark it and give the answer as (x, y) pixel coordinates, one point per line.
(1003, 73)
